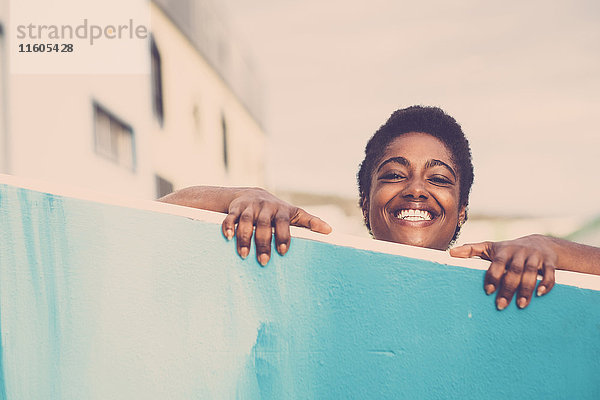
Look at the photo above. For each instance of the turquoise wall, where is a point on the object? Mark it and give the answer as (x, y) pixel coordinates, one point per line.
(105, 302)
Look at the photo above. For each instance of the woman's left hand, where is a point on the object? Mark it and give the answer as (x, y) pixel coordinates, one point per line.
(515, 266)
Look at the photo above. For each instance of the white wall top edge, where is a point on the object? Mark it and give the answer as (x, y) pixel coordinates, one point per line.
(563, 277)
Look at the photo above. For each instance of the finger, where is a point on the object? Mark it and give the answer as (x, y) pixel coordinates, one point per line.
(528, 281)
(306, 220)
(510, 281)
(282, 232)
(228, 225)
(263, 234)
(472, 250)
(244, 232)
(495, 272)
(547, 282)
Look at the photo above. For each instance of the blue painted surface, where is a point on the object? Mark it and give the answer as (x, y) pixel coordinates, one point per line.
(99, 301)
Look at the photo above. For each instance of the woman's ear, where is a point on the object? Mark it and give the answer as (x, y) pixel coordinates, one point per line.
(365, 211)
(462, 215)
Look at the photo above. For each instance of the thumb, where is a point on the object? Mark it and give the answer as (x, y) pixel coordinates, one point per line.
(471, 250)
(306, 220)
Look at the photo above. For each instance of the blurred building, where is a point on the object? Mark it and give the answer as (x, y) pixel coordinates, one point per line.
(194, 118)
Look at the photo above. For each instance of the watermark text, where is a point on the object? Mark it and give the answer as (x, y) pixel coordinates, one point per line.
(85, 30)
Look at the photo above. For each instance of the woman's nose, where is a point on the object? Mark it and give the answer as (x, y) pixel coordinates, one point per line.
(415, 189)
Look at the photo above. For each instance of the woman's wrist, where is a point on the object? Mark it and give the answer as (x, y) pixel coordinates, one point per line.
(212, 198)
(575, 257)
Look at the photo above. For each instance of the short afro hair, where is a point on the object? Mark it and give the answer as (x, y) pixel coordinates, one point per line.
(431, 120)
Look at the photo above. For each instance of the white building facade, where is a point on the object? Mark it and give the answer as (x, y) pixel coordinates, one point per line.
(192, 119)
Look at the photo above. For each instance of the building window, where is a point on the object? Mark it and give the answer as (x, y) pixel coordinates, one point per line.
(225, 151)
(157, 90)
(163, 186)
(113, 138)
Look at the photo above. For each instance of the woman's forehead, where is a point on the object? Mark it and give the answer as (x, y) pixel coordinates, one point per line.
(418, 147)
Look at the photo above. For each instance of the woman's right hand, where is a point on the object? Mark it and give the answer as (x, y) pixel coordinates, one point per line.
(255, 207)
(249, 208)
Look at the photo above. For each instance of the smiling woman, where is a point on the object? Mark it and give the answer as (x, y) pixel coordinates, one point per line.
(415, 180)
(414, 186)
(414, 195)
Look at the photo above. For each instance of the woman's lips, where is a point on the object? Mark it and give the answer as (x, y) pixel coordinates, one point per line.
(414, 217)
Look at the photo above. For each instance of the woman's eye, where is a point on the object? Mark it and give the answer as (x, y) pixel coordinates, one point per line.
(392, 176)
(440, 180)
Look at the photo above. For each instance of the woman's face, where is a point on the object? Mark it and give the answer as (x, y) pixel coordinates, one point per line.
(415, 193)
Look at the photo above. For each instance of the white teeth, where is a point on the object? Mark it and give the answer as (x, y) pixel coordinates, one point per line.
(414, 215)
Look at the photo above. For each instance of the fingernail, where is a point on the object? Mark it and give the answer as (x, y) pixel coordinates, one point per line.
(244, 252)
(229, 234)
(489, 289)
(501, 303)
(541, 290)
(282, 248)
(263, 259)
(522, 302)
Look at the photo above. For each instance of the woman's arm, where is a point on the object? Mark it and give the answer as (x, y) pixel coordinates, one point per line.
(576, 257)
(516, 263)
(249, 208)
(212, 198)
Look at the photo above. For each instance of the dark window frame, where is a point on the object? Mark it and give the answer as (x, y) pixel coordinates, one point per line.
(113, 154)
(225, 147)
(162, 186)
(157, 82)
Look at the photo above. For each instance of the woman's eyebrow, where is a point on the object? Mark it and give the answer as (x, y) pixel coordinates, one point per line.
(439, 163)
(399, 160)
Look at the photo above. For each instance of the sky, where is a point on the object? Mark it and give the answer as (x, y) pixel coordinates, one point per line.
(521, 77)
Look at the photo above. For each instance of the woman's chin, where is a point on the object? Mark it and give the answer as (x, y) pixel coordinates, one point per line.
(414, 239)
